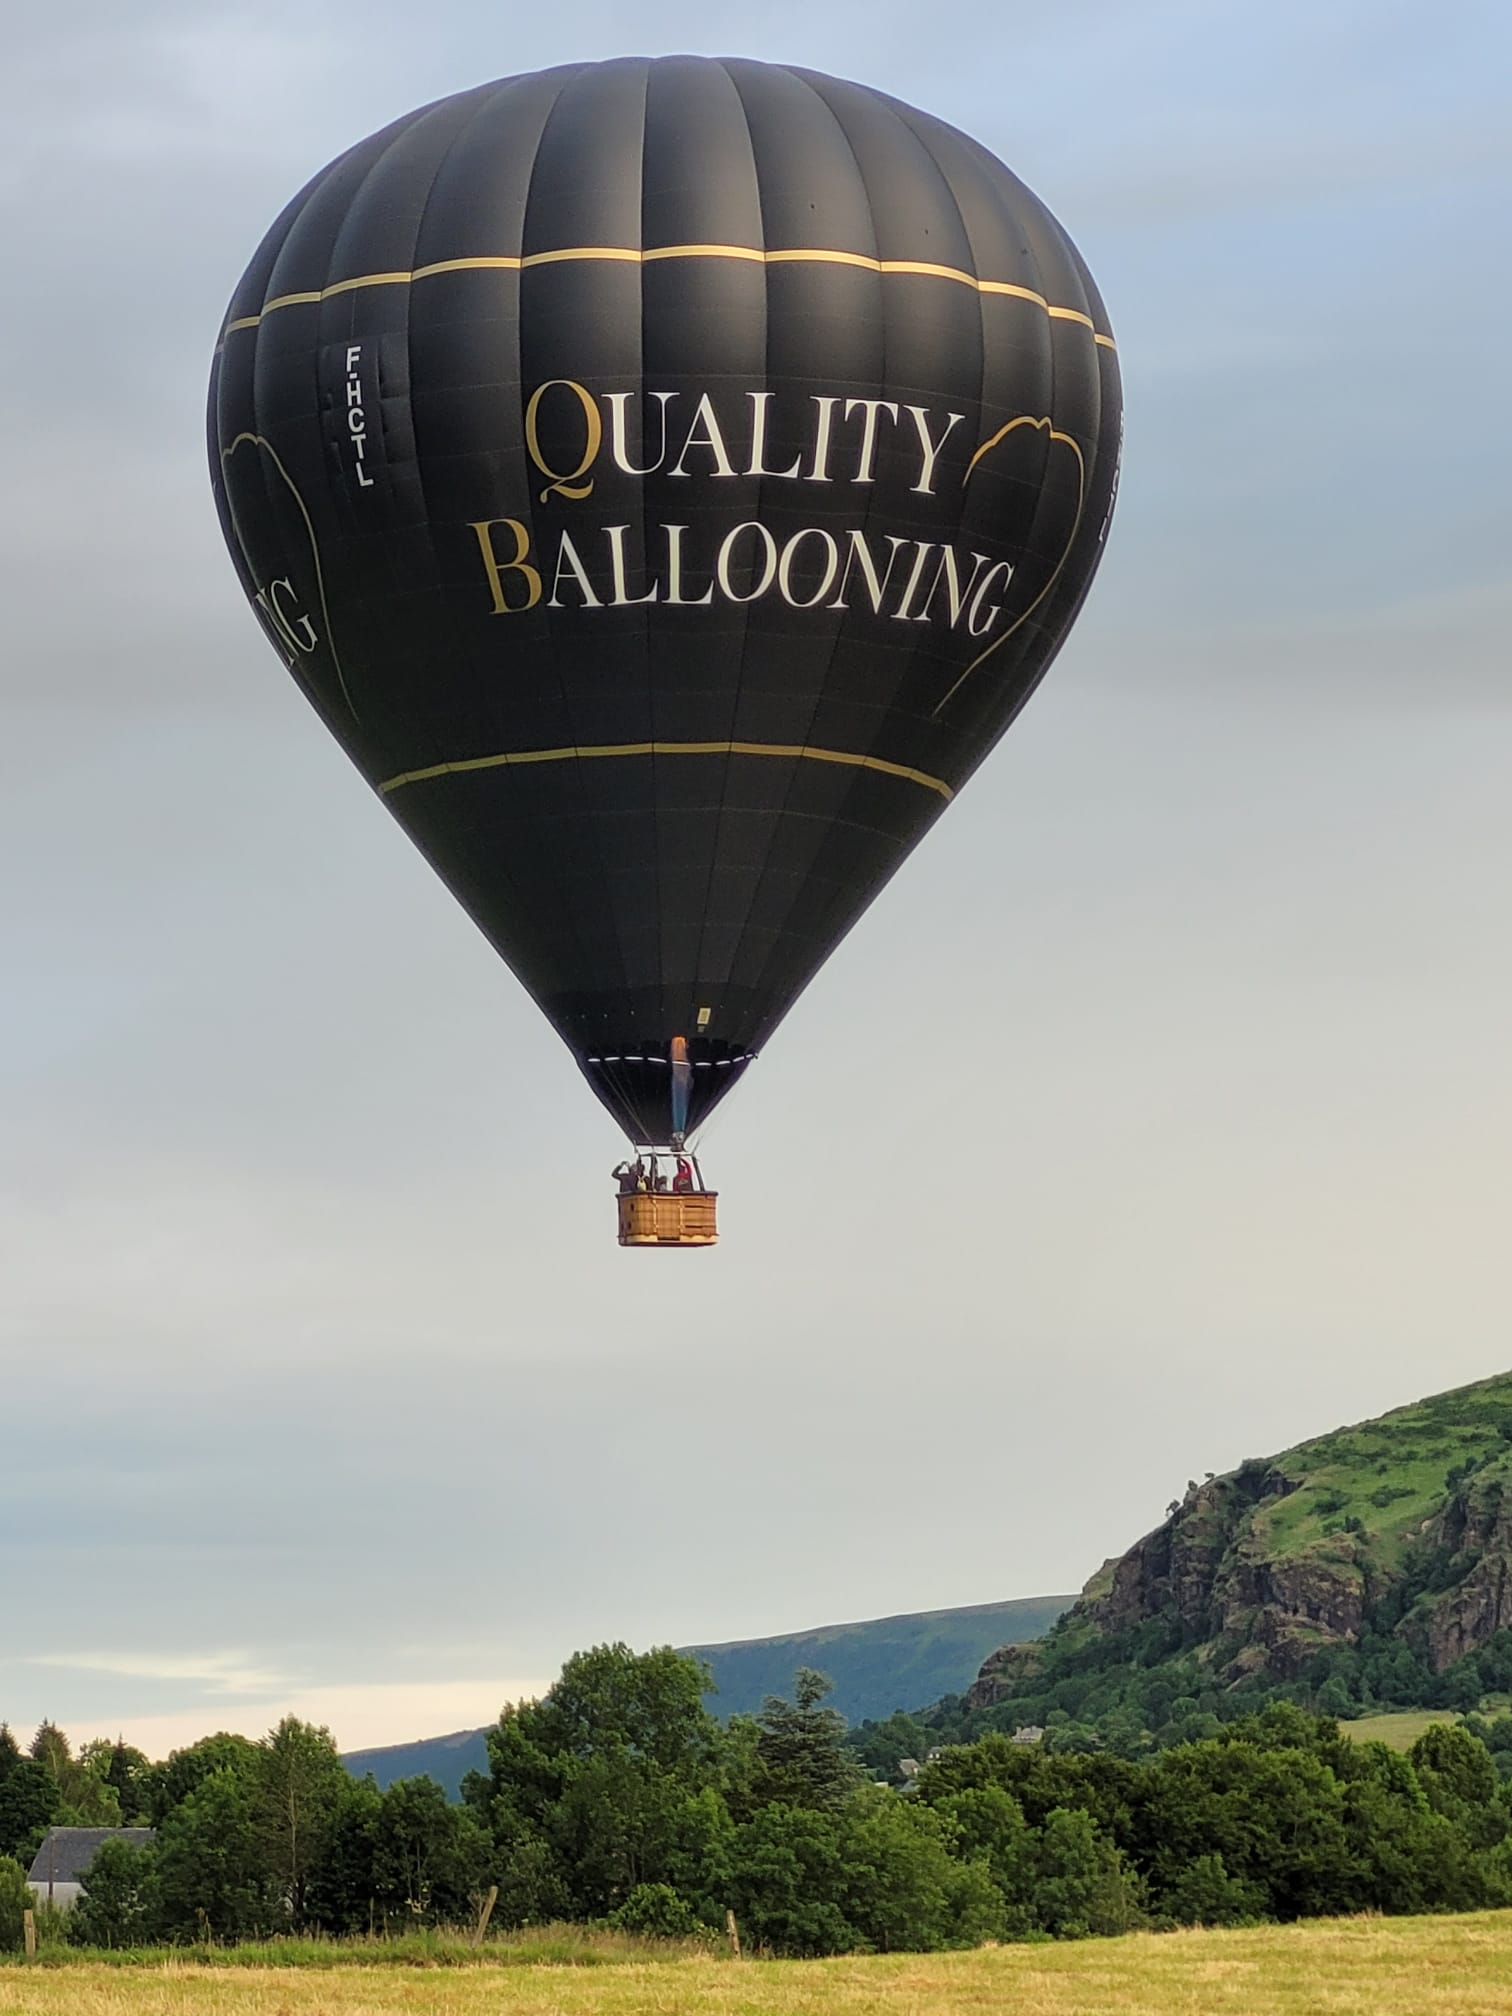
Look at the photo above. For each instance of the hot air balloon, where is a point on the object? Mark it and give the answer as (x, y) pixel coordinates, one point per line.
(667, 479)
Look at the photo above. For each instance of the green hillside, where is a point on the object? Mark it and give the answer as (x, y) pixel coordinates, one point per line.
(877, 1666)
(1366, 1570)
(887, 1663)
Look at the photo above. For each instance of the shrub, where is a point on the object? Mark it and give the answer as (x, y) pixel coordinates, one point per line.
(1204, 1893)
(15, 1898)
(655, 1911)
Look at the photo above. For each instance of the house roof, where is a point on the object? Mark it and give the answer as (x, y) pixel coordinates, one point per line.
(66, 1852)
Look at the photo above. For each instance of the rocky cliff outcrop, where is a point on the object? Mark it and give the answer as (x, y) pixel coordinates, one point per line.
(1003, 1674)
(1177, 1572)
(1401, 1524)
(1472, 1535)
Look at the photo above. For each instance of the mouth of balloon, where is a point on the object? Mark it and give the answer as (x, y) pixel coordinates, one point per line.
(638, 1082)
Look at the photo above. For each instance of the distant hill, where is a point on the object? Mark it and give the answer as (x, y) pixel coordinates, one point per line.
(447, 1759)
(1367, 1569)
(877, 1666)
(888, 1663)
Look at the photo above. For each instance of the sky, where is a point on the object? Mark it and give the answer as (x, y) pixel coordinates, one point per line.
(1158, 1115)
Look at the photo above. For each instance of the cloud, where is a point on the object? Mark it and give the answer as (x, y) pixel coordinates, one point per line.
(360, 1716)
(218, 1673)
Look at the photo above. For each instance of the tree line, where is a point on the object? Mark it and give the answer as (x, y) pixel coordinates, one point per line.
(619, 1799)
(1150, 1687)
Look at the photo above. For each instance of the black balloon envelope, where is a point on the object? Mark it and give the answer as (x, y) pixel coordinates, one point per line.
(667, 480)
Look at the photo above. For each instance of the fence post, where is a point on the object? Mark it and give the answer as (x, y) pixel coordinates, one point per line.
(29, 1933)
(734, 1931)
(486, 1913)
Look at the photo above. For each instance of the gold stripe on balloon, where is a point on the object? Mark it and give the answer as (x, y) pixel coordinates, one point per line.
(628, 255)
(574, 750)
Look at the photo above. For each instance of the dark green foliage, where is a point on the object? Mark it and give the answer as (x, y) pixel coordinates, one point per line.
(170, 1784)
(341, 1896)
(599, 1788)
(1204, 1893)
(430, 1858)
(655, 1911)
(800, 1752)
(28, 1806)
(50, 1746)
(214, 1878)
(85, 1797)
(15, 1898)
(122, 1903)
(1080, 1885)
(785, 1882)
(880, 1747)
(129, 1775)
(620, 1800)
(1460, 1782)
(903, 1889)
(874, 1876)
(298, 1785)
(874, 1665)
(988, 1828)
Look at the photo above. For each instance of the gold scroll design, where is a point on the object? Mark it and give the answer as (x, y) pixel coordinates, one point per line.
(1067, 441)
(262, 442)
(629, 255)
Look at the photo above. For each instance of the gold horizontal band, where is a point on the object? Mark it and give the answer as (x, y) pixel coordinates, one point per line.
(628, 255)
(787, 749)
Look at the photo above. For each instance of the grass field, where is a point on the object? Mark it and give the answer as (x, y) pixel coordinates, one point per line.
(1341, 1967)
(1399, 1731)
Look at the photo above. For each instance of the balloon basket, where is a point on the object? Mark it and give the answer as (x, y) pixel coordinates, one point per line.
(666, 1218)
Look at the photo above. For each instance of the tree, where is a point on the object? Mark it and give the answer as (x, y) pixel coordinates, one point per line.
(15, 1898)
(901, 1889)
(533, 1888)
(50, 1747)
(125, 1773)
(1334, 1697)
(28, 1806)
(988, 1827)
(648, 1703)
(84, 1797)
(1454, 1769)
(881, 1746)
(170, 1784)
(430, 1858)
(599, 1777)
(341, 1895)
(300, 1782)
(1409, 1858)
(786, 1880)
(1204, 1893)
(1081, 1885)
(213, 1872)
(1275, 1816)
(10, 1751)
(655, 1911)
(1111, 1791)
(122, 1900)
(801, 1758)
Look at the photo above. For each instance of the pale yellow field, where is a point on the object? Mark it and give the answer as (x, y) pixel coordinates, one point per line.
(1345, 1967)
(1399, 1731)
